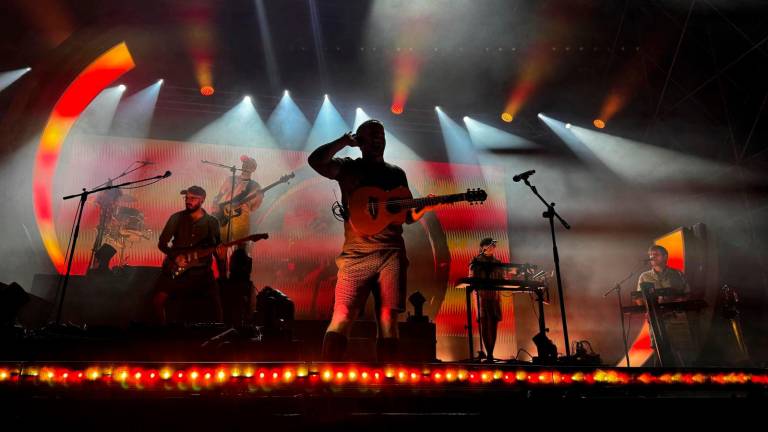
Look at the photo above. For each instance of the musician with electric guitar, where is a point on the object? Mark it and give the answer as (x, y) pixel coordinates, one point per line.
(376, 201)
(189, 240)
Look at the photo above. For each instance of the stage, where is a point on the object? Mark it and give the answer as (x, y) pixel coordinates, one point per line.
(335, 214)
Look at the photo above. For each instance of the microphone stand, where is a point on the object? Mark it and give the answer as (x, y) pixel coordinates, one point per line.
(617, 288)
(551, 214)
(234, 169)
(79, 215)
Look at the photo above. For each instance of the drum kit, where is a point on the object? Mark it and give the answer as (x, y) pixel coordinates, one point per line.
(121, 225)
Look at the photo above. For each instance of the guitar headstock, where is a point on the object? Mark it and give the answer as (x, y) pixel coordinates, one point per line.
(475, 196)
(286, 178)
(257, 237)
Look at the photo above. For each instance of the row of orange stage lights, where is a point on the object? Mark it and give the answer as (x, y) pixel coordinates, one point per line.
(271, 375)
(598, 123)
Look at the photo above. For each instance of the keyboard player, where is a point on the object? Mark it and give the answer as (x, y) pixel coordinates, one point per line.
(678, 345)
(489, 302)
(663, 277)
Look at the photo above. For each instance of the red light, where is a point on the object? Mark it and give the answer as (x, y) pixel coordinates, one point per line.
(206, 90)
(599, 123)
(397, 109)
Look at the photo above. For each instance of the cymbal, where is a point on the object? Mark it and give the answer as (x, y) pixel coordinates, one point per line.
(126, 199)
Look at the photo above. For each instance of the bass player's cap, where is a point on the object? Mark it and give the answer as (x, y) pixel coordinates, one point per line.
(487, 242)
(194, 190)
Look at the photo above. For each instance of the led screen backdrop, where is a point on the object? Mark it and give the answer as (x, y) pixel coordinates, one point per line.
(305, 238)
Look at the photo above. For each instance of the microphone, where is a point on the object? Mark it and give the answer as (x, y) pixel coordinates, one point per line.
(145, 162)
(167, 174)
(523, 176)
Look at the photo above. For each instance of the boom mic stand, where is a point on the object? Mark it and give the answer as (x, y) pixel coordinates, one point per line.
(551, 214)
(617, 288)
(79, 215)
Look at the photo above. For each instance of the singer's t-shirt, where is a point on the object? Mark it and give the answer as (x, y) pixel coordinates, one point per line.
(356, 173)
(667, 278)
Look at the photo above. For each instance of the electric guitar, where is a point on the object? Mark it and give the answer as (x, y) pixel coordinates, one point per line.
(182, 259)
(372, 209)
(231, 209)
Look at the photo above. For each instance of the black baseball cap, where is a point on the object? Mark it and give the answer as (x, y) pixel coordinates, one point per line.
(194, 190)
(487, 241)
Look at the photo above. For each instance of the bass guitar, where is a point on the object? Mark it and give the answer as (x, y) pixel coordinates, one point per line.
(182, 259)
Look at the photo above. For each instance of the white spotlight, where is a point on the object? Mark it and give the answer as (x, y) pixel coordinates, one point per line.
(325, 96)
(540, 115)
(285, 93)
(29, 69)
(567, 125)
(358, 109)
(437, 108)
(121, 87)
(160, 81)
(465, 118)
(247, 99)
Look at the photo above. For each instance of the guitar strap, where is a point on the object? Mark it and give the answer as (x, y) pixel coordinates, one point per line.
(250, 187)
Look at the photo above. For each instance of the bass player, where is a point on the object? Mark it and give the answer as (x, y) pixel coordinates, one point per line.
(190, 228)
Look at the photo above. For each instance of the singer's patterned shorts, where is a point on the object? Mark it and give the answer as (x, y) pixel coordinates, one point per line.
(383, 273)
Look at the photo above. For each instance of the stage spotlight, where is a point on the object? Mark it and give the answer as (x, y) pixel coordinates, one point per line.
(287, 124)
(540, 115)
(134, 114)
(160, 81)
(397, 109)
(507, 117)
(247, 99)
(458, 144)
(206, 90)
(437, 108)
(9, 77)
(465, 118)
(121, 87)
(325, 96)
(327, 125)
(567, 125)
(599, 123)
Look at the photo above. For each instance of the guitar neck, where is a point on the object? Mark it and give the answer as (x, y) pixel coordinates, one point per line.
(210, 249)
(430, 201)
(253, 194)
(264, 189)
